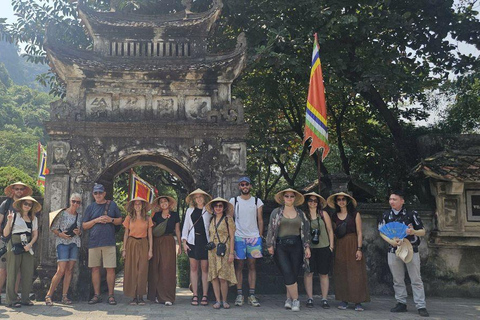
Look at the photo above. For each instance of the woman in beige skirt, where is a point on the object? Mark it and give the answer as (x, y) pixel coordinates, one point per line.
(137, 249)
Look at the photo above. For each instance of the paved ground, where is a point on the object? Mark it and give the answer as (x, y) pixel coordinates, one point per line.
(272, 308)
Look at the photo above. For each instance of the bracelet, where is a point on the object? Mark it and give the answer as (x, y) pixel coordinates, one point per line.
(359, 249)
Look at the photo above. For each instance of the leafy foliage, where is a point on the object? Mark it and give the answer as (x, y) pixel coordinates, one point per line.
(9, 175)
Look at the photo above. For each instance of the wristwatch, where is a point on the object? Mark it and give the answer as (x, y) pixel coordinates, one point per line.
(113, 220)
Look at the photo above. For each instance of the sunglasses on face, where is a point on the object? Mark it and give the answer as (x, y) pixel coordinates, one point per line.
(96, 193)
(291, 196)
(341, 199)
(313, 200)
(218, 206)
(76, 201)
(244, 184)
(28, 204)
(18, 189)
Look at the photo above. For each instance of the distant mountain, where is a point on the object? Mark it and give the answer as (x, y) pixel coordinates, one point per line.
(21, 71)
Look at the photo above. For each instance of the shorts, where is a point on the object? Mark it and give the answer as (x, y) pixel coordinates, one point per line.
(107, 255)
(67, 252)
(320, 260)
(250, 248)
(3, 259)
(198, 251)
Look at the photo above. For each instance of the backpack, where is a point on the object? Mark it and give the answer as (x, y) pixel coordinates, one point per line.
(4, 222)
(235, 205)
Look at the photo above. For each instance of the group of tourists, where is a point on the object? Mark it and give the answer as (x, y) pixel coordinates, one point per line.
(218, 235)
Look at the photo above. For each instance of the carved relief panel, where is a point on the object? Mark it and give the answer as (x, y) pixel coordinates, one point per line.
(99, 105)
(165, 107)
(197, 108)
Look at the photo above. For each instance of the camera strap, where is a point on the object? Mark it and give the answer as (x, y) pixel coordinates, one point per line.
(217, 225)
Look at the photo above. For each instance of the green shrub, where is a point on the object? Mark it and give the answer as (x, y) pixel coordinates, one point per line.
(183, 272)
(9, 175)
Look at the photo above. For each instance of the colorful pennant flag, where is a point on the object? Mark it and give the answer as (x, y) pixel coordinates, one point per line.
(41, 164)
(316, 117)
(138, 187)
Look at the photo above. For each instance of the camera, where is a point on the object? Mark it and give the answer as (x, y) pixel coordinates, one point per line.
(24, 240)
(3, 250)
(315, 236)
(210, 246)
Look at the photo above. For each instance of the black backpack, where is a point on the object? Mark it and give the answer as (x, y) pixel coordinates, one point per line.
(4, 222)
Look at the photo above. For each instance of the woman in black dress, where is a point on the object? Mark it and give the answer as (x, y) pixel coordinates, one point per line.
(194, 238)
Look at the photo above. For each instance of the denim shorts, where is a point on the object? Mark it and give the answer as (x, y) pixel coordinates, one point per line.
(67, 252)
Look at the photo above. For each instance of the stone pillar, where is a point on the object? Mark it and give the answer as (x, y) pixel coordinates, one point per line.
(56, 197)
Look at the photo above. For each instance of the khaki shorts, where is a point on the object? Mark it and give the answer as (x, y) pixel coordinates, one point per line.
(107, 255)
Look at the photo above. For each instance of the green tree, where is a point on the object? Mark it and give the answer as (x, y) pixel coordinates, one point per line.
(9, 175)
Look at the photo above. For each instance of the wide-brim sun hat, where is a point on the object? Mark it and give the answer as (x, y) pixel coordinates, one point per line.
(9, 189)
(172, 203)
(209, 208)
(189, 198)
(331, 199)
(37, 207)
(405, 251)
(129, 205)
(322, 201)
(299, 199)
(53, 215)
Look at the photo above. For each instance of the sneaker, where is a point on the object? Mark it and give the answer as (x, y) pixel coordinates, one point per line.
(325, 304)
(309, 303)
(359, 307)
(288, 303)
(423, 312)
(343, 305)
(400, 307)
(239, 300)
(296, 305)
(252, 300)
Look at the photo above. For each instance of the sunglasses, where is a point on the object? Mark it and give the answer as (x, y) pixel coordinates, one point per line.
(341, 199)
(28, 204)
(312, 200)
(218, 206)
(97, 193)
(289, 196)
(244, 184)
(18, 189)
(76, 201)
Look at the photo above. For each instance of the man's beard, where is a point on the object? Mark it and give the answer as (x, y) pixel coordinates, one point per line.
(245, 192)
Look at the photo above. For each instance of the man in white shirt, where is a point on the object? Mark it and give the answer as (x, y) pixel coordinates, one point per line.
(248, 238)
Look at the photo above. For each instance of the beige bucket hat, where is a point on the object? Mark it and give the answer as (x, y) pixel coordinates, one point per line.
(129, 205)
(331, 199)
(9, 189)
(172, 203)
(405, 251)
(209, 208)
(299, 199)
(37, 207)
(322, 201)
(189, 198)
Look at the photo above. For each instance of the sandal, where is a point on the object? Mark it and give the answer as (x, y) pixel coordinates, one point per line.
(16, 304)
(48, 301)
(217, 305)
(95, 299)
(27, 303)
(194, 301)
(65, 300)
(141, 302)
(111, 300)
(133, 302)
(226, 305)
(204, 301)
